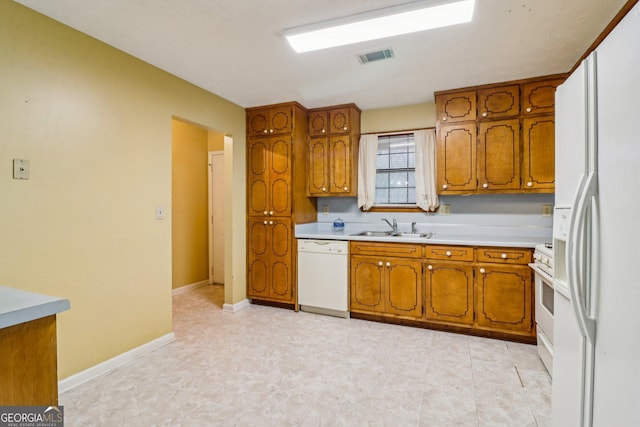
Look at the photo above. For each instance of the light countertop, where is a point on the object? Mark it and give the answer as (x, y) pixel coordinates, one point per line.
(18, 306)
(443, 234)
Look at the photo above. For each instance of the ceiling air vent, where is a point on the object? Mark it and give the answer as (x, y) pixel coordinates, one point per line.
(377, 55)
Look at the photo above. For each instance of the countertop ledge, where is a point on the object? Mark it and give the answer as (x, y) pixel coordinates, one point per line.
(18, 306)
(444, 234)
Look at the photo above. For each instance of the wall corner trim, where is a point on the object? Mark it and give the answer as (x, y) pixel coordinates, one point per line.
(113, 363)
(232, 308)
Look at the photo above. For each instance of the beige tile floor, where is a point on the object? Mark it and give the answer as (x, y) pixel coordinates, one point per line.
(265, 366)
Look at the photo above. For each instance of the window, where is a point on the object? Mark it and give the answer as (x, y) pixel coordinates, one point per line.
(396, 170)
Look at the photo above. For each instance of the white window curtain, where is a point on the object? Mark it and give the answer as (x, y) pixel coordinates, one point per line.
(426, 197)
(367, 160)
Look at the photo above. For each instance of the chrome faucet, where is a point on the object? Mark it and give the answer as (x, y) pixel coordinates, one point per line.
(393, 226)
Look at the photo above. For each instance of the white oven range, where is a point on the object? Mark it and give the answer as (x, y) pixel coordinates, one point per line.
(543, 267)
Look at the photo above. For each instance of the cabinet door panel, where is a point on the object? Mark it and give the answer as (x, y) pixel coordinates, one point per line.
(457, 158)
(539, 97)
(404, 281)
(258, 123)
(258, 259)
(504, 297)
(281, 258)
(339, 120)
(257, 177)
(318, 166)
(456, 107)
(340, 164)
(280, 280)
(539, 153)
(499, 155)
(318, 123)
(449, 292)
(280, 176)
(280, 120)
(499, 102)
(367, 291)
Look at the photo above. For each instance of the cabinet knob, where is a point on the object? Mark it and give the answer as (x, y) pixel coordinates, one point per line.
(388, 264)
(503, 256)
(529, 184)
(345, 128)
(346, 188)
(484, 114)
(324, 131)
(265, 131)
(444, 186)
(444, 118)
(324, 188)
(482, 270)
(528, 110)
(266, 213)
(270, 130)
(380, 263)
(448, 253)
(271, 213)
(430, 267)
(485, 185)
(265, 223)
(270, 222)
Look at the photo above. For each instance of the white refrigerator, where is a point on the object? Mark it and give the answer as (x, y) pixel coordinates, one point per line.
(596, 360)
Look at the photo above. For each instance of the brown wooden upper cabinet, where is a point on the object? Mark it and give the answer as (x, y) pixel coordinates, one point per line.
(269, 176)
(456, 107)
(539, 97)
(499, 102)
(269, 121)
(507, 147)
(334, 134)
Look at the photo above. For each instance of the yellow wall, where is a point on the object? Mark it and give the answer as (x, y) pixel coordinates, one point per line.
(215, 141)
(414, 116)
(95, 124)
(189, 189)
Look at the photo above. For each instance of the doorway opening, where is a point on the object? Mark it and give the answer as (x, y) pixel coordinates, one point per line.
(197, 200)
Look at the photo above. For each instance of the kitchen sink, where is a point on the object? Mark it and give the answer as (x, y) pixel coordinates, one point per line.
(392, 234)
(374, 233)
(415, 235)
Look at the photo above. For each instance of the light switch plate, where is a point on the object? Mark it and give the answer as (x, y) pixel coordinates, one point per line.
(547, 210)
(159, 213)
(20, 169)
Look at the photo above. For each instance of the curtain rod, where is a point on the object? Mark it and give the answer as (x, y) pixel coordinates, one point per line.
(392, 132)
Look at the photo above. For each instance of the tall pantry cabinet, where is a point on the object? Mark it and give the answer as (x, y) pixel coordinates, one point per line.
(276, 199)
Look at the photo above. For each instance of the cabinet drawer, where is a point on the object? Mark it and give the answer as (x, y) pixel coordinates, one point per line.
(386, 249)
(457, 253)
(505, 255)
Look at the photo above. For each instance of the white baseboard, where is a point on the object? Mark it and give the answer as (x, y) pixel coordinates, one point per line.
(232, 308)
(111, 364)
(187, 288)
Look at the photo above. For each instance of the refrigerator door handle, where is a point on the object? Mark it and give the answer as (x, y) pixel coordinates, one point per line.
(576, 257)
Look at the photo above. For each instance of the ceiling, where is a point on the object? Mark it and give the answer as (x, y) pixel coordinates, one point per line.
(235, 48)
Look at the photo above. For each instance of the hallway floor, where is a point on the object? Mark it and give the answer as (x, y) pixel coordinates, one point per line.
(265, 366)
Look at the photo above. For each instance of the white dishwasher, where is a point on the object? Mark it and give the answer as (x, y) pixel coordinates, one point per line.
(323, 276)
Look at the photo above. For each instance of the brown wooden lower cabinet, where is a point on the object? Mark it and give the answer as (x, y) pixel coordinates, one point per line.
(28, 363)
(476, 290)
(504, 298)
(449, 292)
(270, 258)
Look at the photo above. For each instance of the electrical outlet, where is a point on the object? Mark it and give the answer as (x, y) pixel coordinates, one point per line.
(547, 210)
(325, 209)
(444, 210)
